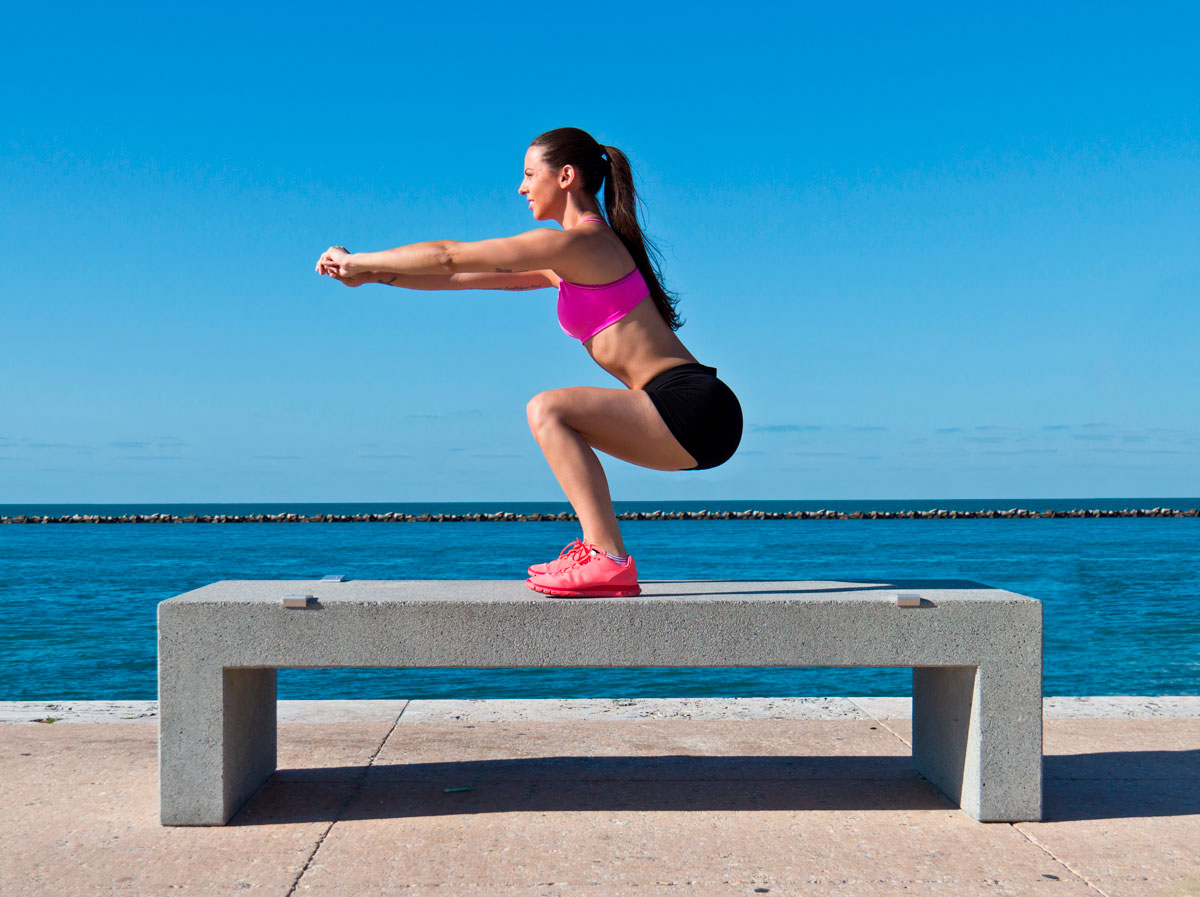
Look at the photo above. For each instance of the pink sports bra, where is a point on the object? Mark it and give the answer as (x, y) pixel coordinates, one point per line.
(584, 309)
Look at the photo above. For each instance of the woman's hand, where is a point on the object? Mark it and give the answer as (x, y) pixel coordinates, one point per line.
(335, 261)
(357, 280)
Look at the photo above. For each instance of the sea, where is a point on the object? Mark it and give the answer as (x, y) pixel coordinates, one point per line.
(1121, 595)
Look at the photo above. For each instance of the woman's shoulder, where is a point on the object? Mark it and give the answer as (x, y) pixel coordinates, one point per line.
(605, 261)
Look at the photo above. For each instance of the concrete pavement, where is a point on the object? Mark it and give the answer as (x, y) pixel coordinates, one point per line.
(700, 796)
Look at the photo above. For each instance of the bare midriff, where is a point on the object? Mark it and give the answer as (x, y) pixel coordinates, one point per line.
(639, 347)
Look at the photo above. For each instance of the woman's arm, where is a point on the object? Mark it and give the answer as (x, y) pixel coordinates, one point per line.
(478, 281)
(533, 250)
(524, 280)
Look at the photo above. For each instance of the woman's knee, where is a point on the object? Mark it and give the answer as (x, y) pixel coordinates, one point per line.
(545, 410)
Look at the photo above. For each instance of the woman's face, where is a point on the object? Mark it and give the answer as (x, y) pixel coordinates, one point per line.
(540, 186)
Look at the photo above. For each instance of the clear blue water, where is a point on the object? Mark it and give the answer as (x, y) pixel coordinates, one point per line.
(1121, 595)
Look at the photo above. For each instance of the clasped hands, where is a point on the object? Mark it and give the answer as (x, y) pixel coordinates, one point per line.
(335, 262)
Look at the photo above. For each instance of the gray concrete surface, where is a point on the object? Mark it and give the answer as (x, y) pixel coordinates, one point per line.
(975, 654)
(650, 801)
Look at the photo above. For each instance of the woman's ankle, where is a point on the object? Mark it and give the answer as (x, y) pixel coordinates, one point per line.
(615, 550)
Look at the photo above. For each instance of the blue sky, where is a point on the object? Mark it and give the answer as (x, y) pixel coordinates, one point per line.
(938, 251)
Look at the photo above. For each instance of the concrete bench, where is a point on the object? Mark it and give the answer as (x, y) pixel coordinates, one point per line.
(975, 653)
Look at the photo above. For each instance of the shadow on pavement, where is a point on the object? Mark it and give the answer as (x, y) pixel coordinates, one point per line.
(1120, 785)
(1112, 785)
(566, 784)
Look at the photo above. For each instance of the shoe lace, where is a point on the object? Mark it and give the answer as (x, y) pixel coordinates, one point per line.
(570, 548)
(580, 552)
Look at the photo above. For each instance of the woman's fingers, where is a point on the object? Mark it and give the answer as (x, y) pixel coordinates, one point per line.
(330, 261)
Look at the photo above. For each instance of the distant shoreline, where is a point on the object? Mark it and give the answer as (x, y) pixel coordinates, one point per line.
(513, 517)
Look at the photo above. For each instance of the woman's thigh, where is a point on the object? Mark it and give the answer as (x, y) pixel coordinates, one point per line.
(620, 422)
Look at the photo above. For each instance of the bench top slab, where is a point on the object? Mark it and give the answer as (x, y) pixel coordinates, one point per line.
(266, 591)
(486, 623)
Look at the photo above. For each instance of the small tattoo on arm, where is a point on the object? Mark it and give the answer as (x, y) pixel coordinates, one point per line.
(390, 280)
(504, 270)
(519, 288)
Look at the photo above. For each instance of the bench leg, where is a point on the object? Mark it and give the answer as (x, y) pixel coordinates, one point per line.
(977, 737)
(216, 743)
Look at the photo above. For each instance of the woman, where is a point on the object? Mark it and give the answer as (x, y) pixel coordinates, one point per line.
(674, 414)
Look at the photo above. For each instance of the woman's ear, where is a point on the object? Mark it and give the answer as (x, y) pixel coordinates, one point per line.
(566, 177)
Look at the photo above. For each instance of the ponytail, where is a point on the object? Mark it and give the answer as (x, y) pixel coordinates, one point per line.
(577, 148)
(620, 205)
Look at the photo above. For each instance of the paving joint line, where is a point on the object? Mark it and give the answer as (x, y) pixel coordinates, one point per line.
(1034, 841)
(358, 783)
(873, 718)
(902, 739)
(1014, 826)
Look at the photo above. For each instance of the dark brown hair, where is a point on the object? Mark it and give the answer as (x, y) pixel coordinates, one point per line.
(579, 149)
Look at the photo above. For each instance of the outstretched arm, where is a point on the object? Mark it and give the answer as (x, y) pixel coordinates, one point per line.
(478, 280)
(533, 250)
(524, 280)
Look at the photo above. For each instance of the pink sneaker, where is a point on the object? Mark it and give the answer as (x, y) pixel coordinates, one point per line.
(552, 566)
(587, 572)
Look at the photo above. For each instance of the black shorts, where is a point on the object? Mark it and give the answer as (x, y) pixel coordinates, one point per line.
(700, 411)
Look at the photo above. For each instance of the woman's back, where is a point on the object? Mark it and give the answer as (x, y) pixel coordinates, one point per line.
(612, 312)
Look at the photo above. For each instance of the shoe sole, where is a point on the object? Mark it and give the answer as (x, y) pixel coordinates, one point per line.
(598, 592)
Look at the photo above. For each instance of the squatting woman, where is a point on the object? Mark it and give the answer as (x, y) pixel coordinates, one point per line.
(673, 414)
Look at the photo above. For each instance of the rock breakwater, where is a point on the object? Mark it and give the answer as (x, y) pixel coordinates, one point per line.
(509, 517)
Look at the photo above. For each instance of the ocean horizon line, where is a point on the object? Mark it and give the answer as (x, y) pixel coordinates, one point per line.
(424, 512)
